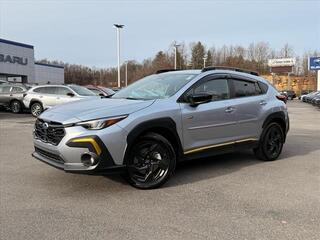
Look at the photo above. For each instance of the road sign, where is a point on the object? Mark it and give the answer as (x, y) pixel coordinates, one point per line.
(314, 63)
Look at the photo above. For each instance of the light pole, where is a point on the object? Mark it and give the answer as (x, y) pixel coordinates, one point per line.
(126, 83)
(204, 62)
(118, 27)
(175, 54)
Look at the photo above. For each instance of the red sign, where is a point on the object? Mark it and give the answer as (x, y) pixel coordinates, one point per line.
(283, 69)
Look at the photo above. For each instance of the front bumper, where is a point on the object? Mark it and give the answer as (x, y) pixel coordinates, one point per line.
(80, 168)
(108, 146)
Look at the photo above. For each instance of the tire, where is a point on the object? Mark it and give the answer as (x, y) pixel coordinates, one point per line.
(271, 143)
(151, 161)
(15, 106)
(36, 109)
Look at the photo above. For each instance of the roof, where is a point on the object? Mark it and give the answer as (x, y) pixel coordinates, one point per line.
(49, 65)
(15, 43)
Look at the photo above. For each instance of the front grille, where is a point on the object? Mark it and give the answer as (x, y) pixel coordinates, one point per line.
(49, 155)
(49, 132)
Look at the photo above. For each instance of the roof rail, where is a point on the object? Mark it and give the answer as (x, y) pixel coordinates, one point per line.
(230, 69)
(165, 70)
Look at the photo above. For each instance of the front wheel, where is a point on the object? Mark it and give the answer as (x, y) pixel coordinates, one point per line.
(36, 109)
(271, 143)
(151, 162)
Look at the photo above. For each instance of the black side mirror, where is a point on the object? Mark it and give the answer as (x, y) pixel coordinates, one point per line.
(200, 98)
(70, 94)
(101, 94)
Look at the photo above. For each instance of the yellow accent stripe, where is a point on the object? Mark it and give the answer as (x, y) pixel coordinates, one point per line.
(91, 141)
(218, 145)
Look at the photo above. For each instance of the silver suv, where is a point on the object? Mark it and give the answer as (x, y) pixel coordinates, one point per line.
(40, 98)
(146, 128)
(11, 96)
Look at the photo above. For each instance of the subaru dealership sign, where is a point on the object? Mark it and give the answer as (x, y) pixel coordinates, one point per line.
(282, 62)
(314, 63)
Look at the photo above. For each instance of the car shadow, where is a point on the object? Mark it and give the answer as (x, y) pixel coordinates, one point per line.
(211, 167)
(298, 143)
(204, 168)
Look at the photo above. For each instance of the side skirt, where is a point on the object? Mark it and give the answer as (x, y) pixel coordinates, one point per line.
(219, 149)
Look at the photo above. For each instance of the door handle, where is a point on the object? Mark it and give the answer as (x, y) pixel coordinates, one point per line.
(229, 109)
(263, 102)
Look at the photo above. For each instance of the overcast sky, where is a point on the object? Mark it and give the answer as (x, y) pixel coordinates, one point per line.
(81, 31)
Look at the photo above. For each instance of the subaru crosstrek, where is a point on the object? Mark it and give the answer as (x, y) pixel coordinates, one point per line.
(144, 129)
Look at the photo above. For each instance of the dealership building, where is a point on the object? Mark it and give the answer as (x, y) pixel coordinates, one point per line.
(17, 64)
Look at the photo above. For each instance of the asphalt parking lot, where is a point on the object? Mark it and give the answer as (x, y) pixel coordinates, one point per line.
(232, 196)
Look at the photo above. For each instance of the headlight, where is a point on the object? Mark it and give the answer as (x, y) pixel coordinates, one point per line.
(101, 123)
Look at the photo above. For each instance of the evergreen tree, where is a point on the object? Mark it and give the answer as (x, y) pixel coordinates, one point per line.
(209, 59)
(197, 53)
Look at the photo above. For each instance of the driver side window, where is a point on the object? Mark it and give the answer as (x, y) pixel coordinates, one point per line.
(218, 88)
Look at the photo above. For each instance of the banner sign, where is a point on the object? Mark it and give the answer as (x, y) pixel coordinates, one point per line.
(314, 63)
(282, 62)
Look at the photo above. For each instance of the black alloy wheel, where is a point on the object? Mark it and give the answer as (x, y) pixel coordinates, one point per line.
(36, 109)
(151, 162)
(15, 106)
(271, 144)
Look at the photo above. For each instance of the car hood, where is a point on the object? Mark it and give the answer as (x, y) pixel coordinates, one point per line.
(89, 109)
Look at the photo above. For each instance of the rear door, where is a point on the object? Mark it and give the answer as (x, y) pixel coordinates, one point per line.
(210, 123)
(16, 92)
(47, 96)
(249, 103)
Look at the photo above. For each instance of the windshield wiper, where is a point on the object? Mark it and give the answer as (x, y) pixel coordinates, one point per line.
(132, 98)
(109, 96)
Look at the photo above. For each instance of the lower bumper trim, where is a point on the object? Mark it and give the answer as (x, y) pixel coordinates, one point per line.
(81, 169)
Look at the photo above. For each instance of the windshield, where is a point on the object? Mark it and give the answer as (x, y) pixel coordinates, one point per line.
(155, 87)
(82, 91)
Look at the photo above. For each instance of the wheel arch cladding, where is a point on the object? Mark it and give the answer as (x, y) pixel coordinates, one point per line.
(35, 100)
(166, 127)
(279, 118)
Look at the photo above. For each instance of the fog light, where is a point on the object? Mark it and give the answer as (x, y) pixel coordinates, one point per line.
(89, 159)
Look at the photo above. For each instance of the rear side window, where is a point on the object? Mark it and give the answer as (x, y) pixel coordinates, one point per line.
(39, 90)
(245, 88)
(263, 87)
(46, 90)
(17, 89)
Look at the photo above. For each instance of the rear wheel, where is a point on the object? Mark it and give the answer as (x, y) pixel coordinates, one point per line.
(15, 106)
(36, 109)
(271, 143)
(151, 162)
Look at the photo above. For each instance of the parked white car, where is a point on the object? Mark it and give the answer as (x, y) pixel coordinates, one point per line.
(39, 98)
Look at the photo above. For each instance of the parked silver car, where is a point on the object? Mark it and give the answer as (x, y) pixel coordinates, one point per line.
(147, 127)
(43, 97)
(11, 96)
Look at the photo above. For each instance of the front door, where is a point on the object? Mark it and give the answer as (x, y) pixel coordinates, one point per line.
(211, 123)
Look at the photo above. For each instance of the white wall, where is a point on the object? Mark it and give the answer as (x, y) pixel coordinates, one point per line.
(45, 74)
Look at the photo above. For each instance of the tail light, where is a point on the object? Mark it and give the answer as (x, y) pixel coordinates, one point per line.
(282, 98)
